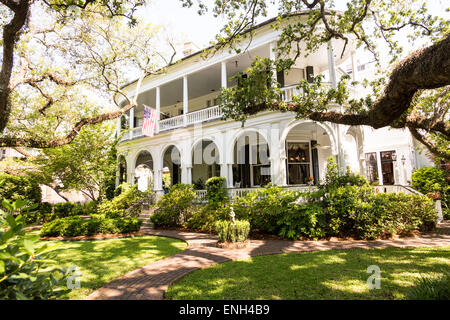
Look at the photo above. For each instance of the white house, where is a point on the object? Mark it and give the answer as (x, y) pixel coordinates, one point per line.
(193, 143)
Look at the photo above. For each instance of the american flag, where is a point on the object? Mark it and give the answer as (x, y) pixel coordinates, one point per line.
(149, 122)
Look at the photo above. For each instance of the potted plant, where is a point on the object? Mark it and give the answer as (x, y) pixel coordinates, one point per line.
(309, 180)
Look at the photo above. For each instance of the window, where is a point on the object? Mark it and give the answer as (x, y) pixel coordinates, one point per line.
(371, 167)
(298, 162)
(216, 102)
(208, 103)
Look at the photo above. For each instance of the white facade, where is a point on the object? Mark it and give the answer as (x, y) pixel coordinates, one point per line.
(192, 143)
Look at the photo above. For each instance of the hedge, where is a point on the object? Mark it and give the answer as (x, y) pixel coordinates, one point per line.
(75, 226)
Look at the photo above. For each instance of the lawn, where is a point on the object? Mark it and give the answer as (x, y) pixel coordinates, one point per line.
(334, 274)
(101, 261)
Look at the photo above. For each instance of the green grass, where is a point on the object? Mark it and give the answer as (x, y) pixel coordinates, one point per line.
(334, 274)
(101, 261)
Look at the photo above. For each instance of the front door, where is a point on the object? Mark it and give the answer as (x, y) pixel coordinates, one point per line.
(387, 167)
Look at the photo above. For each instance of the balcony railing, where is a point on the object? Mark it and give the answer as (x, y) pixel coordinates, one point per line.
(171, 123)
(204, 115)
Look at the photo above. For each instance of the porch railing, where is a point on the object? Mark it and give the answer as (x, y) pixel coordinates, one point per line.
(204, 115)
(234, 193)
(395, 189)
(171, 123)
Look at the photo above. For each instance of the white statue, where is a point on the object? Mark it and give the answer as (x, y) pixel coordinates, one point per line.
(232, 215)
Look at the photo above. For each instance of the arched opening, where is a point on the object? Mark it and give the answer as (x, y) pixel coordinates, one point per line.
(307, 146)
(251, 166)
(122, 172)
(205, 163)
(143, 172)
(171, 167)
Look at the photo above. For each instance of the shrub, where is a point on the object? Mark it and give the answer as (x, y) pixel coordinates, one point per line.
(263, 207)
(115, 208)
(302, 221)
(25, 270)
(341, 205)
(216, 194)
(203, 218)
(75, 226)
(429, 179)
(228, 231)
(175, 207)
(20, 188)
(432, 179)
(431, 289)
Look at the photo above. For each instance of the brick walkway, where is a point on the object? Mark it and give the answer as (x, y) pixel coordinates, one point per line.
(151, 281)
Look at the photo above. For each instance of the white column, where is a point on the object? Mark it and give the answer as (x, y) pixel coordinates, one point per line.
(275, 160)
(354, 67)
(230, 176)
(118, 125)
(223, 74)
(185, 99)
(158, 108)
(272, 56)
(131, 121)
(331, 65)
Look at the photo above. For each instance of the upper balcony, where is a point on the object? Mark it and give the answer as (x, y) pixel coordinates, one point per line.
(188, 98)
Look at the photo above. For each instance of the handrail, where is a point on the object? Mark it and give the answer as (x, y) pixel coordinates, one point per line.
(148, 200)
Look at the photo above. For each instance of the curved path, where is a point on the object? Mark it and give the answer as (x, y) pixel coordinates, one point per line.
(151, 281)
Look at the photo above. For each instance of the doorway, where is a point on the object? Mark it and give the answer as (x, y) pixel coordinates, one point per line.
(387, 167)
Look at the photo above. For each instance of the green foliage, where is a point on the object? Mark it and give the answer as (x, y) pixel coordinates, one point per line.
(429, 179)
(88, 163)
(19, 188)
(216, 194)
(432, 179)
(264, 207)
(427, 288)
(115, 208)
(175, 207)
(228, 231)
(199, 184)
(75, 226)
(26, 272)
(47, 212)
(203, 218)
(302, 221)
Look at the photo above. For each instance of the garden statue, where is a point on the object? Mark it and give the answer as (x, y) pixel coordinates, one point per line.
(232, 215)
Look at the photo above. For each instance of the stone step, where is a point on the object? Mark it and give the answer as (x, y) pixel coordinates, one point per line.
(147, 224)
(148, 211)
(144, 215)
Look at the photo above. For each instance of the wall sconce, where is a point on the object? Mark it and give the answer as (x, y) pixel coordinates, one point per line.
(403, 160)
(394, 157)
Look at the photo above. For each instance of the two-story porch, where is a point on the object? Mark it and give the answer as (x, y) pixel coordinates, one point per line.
(192, 142)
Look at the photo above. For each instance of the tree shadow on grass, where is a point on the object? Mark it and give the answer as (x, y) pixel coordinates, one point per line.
(334, 274)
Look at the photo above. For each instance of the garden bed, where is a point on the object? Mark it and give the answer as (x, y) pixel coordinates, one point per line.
(233, 245)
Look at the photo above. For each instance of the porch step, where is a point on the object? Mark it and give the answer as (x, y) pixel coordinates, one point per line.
(145, 218)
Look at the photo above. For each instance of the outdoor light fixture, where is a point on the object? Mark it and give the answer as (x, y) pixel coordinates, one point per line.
(394, 157)
(403, 159)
